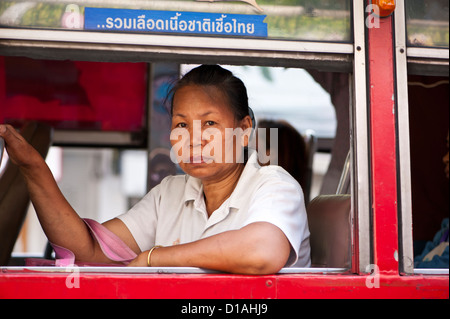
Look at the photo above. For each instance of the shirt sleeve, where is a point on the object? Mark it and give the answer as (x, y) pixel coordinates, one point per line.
(280, 201)
(142, 219)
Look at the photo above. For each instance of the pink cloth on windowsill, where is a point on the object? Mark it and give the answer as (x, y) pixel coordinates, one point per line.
(112, 246)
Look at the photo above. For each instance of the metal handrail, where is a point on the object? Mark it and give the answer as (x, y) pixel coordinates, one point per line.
(345, 177)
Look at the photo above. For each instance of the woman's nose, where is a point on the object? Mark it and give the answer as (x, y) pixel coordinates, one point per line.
(196, 134)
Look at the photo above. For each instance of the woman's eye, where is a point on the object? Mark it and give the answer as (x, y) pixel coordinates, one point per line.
(210, 123)
(181, 125)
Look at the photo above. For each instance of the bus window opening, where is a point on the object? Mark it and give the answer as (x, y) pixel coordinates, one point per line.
(103, 182)
(429, 126)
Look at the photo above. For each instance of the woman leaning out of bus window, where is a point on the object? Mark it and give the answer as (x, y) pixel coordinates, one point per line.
(225, 214)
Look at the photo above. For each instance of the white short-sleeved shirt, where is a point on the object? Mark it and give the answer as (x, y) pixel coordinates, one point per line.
(174, 212)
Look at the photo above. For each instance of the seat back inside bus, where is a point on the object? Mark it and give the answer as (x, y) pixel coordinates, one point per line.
(329, 218)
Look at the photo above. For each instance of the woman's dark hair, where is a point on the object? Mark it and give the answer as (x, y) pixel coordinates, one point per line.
(223, 80)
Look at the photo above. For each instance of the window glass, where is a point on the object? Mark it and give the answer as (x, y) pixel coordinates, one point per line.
(291, 95)
(318, 20)
(74, 95)
(427, 23)
(299, 98)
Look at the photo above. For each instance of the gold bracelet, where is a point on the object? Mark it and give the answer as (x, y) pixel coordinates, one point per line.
(149, 256)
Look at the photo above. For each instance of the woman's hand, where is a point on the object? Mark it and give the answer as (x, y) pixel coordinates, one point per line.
(140, 260)
(19, 151)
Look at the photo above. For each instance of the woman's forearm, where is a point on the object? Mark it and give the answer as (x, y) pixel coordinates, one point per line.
(256, 249)
(58, 219)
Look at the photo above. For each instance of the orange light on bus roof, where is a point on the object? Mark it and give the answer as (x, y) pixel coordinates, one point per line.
(386, 7)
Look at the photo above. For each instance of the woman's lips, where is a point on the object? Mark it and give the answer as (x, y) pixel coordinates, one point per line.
(201, 160)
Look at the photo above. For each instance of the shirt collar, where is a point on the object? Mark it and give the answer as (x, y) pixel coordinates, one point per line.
(194, 186)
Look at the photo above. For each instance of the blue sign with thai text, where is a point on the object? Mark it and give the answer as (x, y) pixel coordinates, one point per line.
(200, 23)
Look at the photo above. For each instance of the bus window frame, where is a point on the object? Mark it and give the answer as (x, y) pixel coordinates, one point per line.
(131, 47)
(410, 60)
(405, 201)
(359, 146)
(427, 61)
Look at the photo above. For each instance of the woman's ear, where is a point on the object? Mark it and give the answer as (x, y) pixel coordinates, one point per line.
(247, 127)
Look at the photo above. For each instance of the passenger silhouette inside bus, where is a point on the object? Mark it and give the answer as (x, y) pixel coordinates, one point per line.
(230, 216)
(291, 151)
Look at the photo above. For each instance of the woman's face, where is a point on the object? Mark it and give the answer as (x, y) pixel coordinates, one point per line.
(201, 117)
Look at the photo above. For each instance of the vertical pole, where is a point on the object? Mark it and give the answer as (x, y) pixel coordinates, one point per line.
(383, 145)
